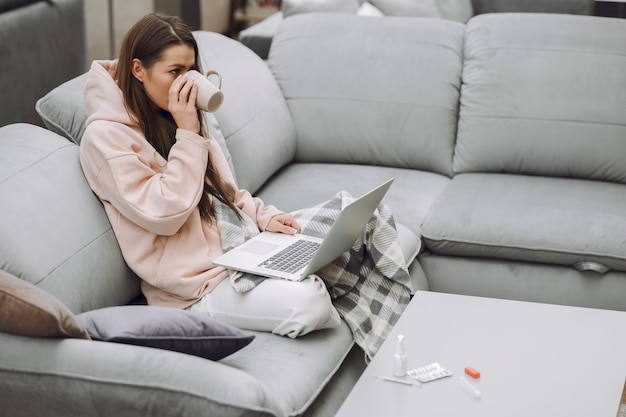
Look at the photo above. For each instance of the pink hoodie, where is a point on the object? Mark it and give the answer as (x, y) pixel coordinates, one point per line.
(152, 202)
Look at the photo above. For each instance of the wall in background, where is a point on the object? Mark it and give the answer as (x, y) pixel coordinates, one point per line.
(106, 22)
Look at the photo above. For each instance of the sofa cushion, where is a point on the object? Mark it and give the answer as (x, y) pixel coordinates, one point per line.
(54, 232)
(528, 218)
(30, 311)
(303, 185)
(79, 378)
(278, 377)
(254, 118)
(391, 112)
(63, 109)
(522, 110)
(165, 328)
(291, 7)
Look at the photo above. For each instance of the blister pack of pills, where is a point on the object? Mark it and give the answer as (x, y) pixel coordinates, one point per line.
(429, 372)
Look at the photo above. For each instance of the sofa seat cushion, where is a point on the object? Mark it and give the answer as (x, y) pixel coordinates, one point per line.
(297, 370)
(303, 185)
(273, 376)
(536, 219)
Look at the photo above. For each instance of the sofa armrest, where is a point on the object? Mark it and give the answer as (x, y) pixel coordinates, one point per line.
(72, 377)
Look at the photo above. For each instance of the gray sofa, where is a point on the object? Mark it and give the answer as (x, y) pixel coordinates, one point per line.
(506, 137)
(42, 44)
(258, 37)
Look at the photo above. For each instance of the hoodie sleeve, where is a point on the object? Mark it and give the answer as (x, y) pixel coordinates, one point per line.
(157, 198)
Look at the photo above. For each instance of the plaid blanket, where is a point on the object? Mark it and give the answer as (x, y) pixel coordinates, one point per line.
(367, 284)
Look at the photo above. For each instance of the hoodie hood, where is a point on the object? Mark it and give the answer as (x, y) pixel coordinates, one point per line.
(103, 97)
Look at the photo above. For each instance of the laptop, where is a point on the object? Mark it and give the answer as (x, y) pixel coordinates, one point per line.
(294, 257)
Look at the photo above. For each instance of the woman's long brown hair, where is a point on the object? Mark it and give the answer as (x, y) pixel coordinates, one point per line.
(147, 40)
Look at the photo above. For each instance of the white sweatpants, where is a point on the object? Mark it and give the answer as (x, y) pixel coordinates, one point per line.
(282, 307)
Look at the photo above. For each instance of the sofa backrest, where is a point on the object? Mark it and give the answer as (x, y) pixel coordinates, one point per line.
(63, 109)
(254, 118)
(54, 232)
(379, 91)
(542, 94)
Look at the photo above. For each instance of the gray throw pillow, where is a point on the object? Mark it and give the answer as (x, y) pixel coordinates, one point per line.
(291, 7)
(63, 109)
(165, 328)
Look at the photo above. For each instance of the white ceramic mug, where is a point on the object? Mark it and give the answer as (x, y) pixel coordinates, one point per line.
(210, 97)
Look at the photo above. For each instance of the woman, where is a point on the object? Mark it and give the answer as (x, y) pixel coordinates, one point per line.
(159, 174)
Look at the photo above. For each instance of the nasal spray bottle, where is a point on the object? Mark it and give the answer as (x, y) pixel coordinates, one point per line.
(399, 359)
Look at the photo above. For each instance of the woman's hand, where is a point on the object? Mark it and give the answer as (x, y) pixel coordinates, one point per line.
(283, 223)
(182, 104)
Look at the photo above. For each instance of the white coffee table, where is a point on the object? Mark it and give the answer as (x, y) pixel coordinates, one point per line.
(535, 360)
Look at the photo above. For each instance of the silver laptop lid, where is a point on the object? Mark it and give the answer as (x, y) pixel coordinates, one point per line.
(349, 224)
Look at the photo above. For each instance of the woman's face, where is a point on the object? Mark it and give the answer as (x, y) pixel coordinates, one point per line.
(157, 79)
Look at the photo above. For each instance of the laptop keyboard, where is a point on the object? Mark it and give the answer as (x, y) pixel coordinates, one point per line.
(293, 257)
